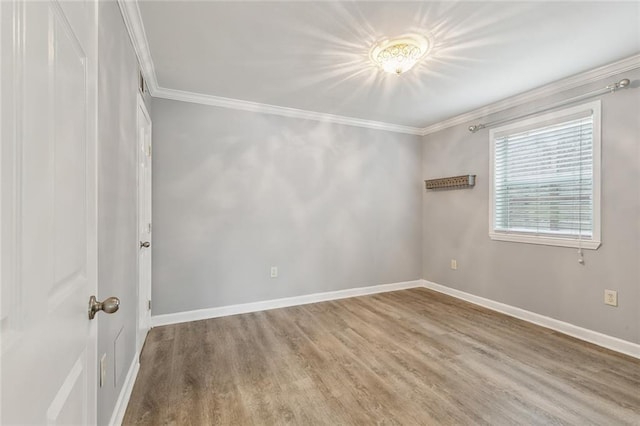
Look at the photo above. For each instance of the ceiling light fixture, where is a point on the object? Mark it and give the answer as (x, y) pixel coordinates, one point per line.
(400, 54)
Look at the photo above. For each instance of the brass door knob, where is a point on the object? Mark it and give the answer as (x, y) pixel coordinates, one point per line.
(108, 306)
(145, 244)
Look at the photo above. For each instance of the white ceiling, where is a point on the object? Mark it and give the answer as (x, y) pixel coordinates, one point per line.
(314, 55)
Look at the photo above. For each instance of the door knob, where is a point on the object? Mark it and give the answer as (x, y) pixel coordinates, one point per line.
(145, 244)
(108, 306)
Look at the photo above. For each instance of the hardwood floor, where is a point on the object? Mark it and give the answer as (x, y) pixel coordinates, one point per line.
(411, 357)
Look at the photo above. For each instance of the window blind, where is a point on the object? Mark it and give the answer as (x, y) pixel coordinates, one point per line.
(544, 180)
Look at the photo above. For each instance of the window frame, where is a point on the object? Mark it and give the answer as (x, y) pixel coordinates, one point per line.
(519, 237)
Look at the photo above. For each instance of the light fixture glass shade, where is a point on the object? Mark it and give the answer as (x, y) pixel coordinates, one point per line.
(399, 55)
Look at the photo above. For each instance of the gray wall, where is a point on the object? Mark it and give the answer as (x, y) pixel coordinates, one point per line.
(543, 279)
(117, 201)
(334, 207)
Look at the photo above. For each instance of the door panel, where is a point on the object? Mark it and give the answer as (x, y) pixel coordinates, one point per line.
(68, 125)
(68, 406)
(48, 241)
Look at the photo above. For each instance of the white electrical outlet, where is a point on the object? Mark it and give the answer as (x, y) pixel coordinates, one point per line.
(611, 297)
(454, 264)
(274, 272)
(103, 369)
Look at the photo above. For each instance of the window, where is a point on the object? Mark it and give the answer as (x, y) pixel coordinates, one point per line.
(545, 179)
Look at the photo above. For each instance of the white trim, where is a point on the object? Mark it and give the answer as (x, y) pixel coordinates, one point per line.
(135, 27)
(609, 342)
(603, 340)
(546, 240)
(180, 95)
(580, 79)
(125, 393)
(593, 243)
(597, 167)
(133, 21)
(244, 308)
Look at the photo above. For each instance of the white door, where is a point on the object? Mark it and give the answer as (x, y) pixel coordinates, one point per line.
(48, 250)
(144, 223)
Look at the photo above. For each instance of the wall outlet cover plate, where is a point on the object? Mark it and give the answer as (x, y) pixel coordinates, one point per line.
(611, 297)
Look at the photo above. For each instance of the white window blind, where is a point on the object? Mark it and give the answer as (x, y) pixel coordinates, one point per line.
(543, 178)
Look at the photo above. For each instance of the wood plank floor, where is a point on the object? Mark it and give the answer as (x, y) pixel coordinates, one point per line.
(411, 357)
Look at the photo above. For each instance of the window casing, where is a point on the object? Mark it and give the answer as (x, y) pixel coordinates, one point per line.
(545, 179)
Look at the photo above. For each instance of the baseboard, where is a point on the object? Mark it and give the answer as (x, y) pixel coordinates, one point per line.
(244, 308)
(609, 342)
(125, 393)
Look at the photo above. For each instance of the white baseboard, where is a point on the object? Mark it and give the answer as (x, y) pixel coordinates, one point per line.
(609, 342)
(244, 308)
(125, 393)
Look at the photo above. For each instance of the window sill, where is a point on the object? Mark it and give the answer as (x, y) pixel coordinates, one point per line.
(547, 241)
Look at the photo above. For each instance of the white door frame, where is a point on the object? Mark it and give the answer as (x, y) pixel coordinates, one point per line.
(143, 321)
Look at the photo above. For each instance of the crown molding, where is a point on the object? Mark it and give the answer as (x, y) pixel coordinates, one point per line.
(133, 21)
(198, 98)
(135, 27)
(591, 76)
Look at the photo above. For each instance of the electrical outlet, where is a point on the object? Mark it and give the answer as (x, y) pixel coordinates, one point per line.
(274, 272)
(454, 264)
(611, 297)
(103, 369)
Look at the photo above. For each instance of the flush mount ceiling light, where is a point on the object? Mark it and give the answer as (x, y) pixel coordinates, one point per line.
(399, 54)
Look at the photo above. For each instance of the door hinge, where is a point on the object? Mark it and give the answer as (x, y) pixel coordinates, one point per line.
(149, 305)
(149, 227)
(149, 150)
